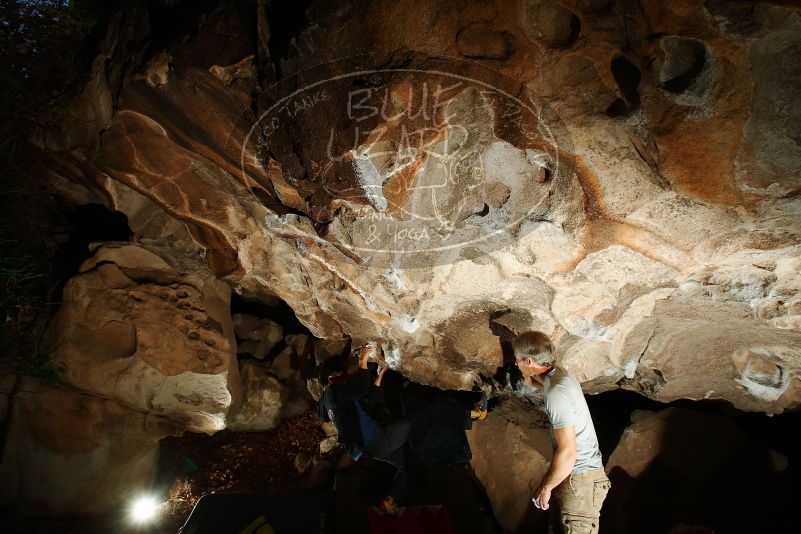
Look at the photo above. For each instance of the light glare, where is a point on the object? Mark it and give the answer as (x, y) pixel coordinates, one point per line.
(144, 509)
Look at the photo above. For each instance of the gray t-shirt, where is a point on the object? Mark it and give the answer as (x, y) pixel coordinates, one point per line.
(565, 404)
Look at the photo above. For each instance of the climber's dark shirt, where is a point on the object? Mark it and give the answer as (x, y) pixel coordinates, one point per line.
(354, 424)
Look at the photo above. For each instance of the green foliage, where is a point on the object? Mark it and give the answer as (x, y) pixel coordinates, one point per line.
(40, 50)
(22, 280)
(42, 43)
(18, 274)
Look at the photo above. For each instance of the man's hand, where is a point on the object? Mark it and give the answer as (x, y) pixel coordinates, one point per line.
(365, 353)
(542, 497)
(382, 370)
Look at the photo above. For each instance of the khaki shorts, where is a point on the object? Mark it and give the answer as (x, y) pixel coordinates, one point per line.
(580, 498)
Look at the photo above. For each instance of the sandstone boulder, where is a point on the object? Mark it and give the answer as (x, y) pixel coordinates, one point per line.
(68, 452)
(258, 336)
(299, 343)
(315, 388)
(690, 452)
(550, 22)
(746, 361)
(511, 452)
(150, 334)
(286, 366)
(264, 398)
(328, 348)
(281, 365)
(328, 445)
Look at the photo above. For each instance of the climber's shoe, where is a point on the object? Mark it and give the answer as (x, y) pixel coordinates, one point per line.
(388, 506)
(480, 410)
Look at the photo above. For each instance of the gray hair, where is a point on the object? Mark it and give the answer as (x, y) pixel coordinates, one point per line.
(536, 346)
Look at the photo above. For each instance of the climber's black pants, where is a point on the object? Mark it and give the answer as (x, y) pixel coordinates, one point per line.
(387, 443)
(387, 446)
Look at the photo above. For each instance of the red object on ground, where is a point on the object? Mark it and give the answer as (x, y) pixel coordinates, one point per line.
(411, 520)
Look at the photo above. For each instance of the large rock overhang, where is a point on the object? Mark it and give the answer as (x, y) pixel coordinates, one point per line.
(626, 186)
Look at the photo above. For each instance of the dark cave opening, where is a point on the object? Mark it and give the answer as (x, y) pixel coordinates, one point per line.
(682, 82)
(781, 431)
(83, 225)
(575, 29)
(293, 19)
(617, 108)
(628, 77)
(275, 353)
(172, 22)
(275, 310)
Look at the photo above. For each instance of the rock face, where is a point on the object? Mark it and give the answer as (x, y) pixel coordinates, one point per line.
(704, 460)
(72, 453)
(511, 452)
(259, 335)
(623, 177)
(155, 336)
(270, 394)
(264, 397)
(689, 455)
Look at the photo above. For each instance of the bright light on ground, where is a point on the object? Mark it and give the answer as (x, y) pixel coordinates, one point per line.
(144, 509)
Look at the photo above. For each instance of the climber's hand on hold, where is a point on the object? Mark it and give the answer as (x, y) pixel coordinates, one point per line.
(382, 369)
(365, 353)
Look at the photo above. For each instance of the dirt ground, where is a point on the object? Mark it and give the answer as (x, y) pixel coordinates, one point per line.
(196, 464)
(193, 465)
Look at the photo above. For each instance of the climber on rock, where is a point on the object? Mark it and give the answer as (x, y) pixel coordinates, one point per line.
(348, 404)
(576, 475)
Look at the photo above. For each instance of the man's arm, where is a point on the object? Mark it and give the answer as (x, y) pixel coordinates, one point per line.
(375, 389)
(382, 370)
(564, 458)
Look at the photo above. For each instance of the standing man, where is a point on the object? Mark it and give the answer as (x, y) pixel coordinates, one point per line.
(576, 475)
